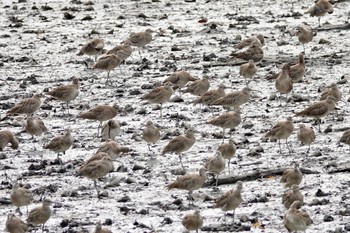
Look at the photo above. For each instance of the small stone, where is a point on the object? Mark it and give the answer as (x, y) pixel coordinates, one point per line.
(320, 193)
(104, 193)
(138, 167)
(124, 199)
(167, 220)
(64, 223)
(130, 180)
(328, 218)
(108, 222)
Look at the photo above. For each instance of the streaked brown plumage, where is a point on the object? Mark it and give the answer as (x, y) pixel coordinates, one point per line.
(123, 51)
(228, 120)
(305, 34)
(113, 149)
(306, 135)
(150, 134)
(319, 109)
(110, 130)
(27, 106)
(292, 195)
(234, 99)
(179, 78)
(198, 87)
(215, 165)
(345, 138)
(20, 196)
(66, 93)
(100, 113)
(231, 199)
(35, 126)
(99, 229)
(180, 144)
(40, 215)
(332, 90)
(248, 70)
(92, 48)
(141, 39)
(96, 169)
(210, 96)
(228, 150)
(60, 143)
(253, 52)
(320, 8)
(283, 83)
(258, 39)
(189, 182)
(97, 156)
(296, 72)
(193, 221)
(292, 176)
(296, 220)
(107, 62)
(282, 130)
(15, 225)
(159, 95)
(6, 137)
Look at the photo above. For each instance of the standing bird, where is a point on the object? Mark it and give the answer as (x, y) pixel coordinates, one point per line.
(150, 134)
(230, 200)
(228, 120)
(193, 221)
(99, 229)
(92, 48)
(296, 220)
(179, 79)
(110, 130)
(113, 149)
(282, 130)
(198, 87)
(159, 95)
(248, 71)
(258, 39)
(332, 90)
(20, 197)
(228, 150)
(215, 165)
(319, 109)
(60, 144)
(296, 72)
(210, 96)
(141, 39)
(292, 176)
(107, 62)
(291, 196)
(100, 113)
(15, 225)
(180, 144)
(35, 127)
(40, 215)
(27, 106)
(234, 99)
(189, 182)
(305, 34)
(283, 83)
(96, 169)
(123, 51)
(320, 8)
(306, 135)
(253, 52)
(66, 93)
(345, 138)
(6, 137)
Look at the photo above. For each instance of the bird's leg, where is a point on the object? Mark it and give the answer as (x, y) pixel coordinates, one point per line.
(288, 146)
(228, 165)
(98, 129)
(67, 108)
(19, 211)
(233, 218)
(161, 107)
(319, 21)
(181, 161)
(319, 125)
(217, 180)
(308, 149)
(43, 227)
(95, 185)
(190, 198)
(149, 148)
(304, 48)
(279, 144)
(59, 160)
(107, 81)
(223, 135)
(95, 57)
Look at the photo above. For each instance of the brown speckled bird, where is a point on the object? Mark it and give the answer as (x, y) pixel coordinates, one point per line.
(253, 52)
(305, 34)
(27, 106)
(189, 182)
(345, 138)
(228, 120)
(123, 51)
(283, 83)
(234, 99)
(100, 229)
(296, 72)
(258, 39)
(296, 220)
(306, 135)
(291, 196)
(150, 134)
(92, 48)
(141, 39)
(248, 70)
(179, 79)
(282, 130)
(319, 9)
(110, 130)
(66, 93)
(60, 144)
(198, 87)
(228, 150)
(107, 62)
(193, 221)
(292, 176)
(40, 215)
(6, 137)
(15, 225)
(210, 96)
(20, 197)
